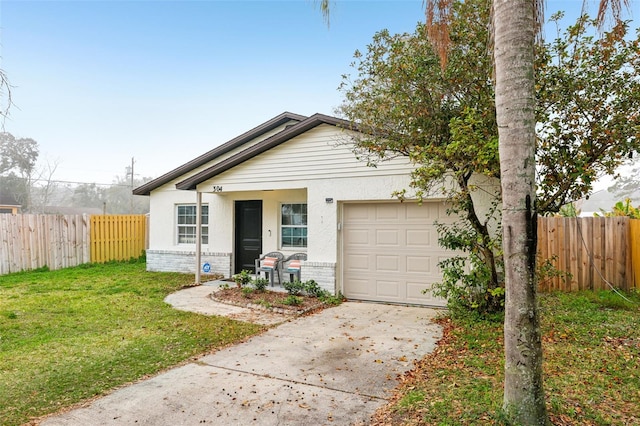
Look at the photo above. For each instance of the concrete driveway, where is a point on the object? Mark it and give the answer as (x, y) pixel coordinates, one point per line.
(335, 367)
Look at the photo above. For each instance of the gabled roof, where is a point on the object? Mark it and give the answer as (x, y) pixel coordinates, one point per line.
(7, 199)
(262, 146)
(234, 143)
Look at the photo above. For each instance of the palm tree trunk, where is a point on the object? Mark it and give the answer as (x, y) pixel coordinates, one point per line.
(515, 25)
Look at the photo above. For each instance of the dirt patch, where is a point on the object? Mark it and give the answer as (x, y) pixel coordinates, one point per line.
(266, 300)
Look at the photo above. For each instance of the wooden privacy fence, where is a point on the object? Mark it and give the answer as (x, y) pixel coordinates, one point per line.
(117, 237)
(596, 252)
(29, 241)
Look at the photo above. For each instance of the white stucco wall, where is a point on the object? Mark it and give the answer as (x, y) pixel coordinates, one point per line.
(309, 168)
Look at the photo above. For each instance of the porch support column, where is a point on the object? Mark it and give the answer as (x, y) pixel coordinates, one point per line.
(198, 235)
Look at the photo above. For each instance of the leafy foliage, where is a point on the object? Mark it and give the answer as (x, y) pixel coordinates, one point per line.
(18, 158)
(294, 287)
(292, 300)
(260, 284)
(404, 102)
(242, 278)
(588, 109)
(623, 208)
(443, 119)
(467, 277)
(17, 155)
(309, 288)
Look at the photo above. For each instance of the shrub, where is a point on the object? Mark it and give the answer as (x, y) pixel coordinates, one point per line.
(294, 287)
(468, 280)
(243, 278)
(466, 287)
(330, 299)
(260, 284)
(264, 303)
(292, 300)
(311, 288)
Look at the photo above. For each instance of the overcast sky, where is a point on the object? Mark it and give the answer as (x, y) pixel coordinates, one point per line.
(96, 83)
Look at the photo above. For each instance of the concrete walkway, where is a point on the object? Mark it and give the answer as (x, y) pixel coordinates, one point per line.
(333, 367)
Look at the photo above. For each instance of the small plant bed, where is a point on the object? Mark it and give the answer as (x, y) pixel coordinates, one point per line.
(300, 298)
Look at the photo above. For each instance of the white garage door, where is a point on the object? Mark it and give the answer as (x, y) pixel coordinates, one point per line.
(391, 252)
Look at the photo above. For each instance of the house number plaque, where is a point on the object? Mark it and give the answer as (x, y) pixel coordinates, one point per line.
(217, 188)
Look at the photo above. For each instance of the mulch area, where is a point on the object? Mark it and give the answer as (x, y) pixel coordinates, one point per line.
(268, 301)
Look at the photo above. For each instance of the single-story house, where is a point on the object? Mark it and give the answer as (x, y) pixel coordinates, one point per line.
(293, 184)
(8, 203)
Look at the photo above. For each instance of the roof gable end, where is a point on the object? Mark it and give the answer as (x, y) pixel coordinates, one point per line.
(315, 120)
(234, 143)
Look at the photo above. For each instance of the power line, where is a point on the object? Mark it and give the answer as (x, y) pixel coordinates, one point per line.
(82, 183)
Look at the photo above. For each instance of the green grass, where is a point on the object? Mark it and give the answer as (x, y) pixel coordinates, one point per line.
(72, 334)
(591, 344)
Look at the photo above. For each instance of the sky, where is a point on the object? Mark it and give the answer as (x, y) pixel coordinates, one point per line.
(97, 83)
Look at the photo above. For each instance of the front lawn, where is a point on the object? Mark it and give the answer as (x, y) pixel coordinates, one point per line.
(72, 334)
(591, 344)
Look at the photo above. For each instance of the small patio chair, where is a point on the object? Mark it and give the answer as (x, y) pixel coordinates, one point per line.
(292, 265)
(270, 264)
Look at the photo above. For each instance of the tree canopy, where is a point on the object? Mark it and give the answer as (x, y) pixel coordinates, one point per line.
(405, 102)
(588, 94)
(18, 158)
(588, 105)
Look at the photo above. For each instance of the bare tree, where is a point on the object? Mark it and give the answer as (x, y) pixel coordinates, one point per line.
(5, 97)
(42, 192)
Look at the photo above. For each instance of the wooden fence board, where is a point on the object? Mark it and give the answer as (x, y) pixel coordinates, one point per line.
(30, 241)
(596, 252)
(634, 253)
(117, 237)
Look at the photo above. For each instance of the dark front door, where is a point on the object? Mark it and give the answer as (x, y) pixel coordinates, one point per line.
(248, 244)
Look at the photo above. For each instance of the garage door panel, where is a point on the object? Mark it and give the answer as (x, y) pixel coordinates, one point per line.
(388, 289)
(417, 238)
(358, 262)
(360, 288)
(391, 252)
(357, 213)
(387, 263)
(418, 264)
(415, 291)
(415, 212)
(357, 236)
(387, 237)
(386, 212)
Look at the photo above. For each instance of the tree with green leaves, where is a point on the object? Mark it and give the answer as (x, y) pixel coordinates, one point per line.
(588, 109)
(407, 103)
(516, 26)
(18, 158)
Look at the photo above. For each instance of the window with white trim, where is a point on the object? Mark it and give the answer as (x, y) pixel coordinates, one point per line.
(293, 226)
(186, 220)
